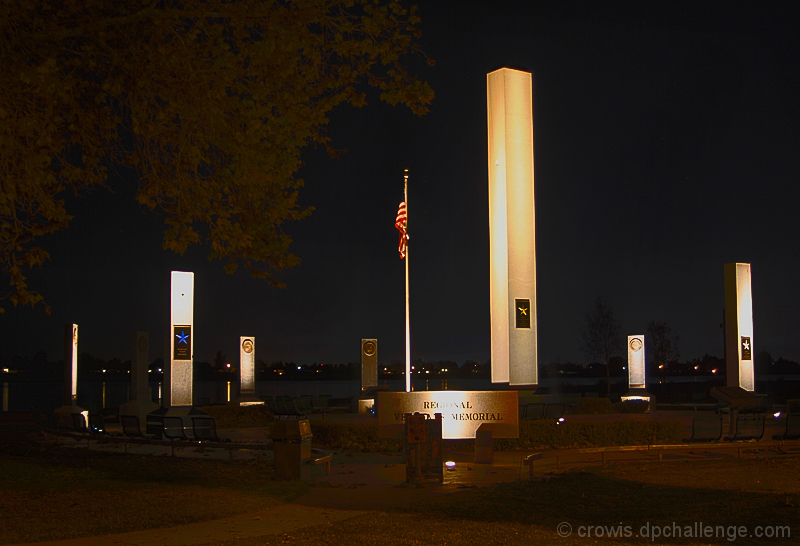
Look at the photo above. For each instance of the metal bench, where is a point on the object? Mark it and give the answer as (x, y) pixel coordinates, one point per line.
(79, 423)
(534, 410)
(706, 428)
(792, 431)
(748, 427)
(205, 430)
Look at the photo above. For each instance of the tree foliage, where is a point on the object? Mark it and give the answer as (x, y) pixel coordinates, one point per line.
(601, 335)
(211, 101)
(663, 343)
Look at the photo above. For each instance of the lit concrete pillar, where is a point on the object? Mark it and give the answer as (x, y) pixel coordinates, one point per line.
(179, 383)
(636, 362)
(369, 363)
(512, 245)
(70, 398)
(70, 365)
(739, 327)
(247, 372)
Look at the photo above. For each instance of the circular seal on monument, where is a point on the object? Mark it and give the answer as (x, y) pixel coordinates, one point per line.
(247, 346)
(636, 344)
(369, 348)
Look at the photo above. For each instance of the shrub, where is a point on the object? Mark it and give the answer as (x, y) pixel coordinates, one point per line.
(230, 416)
(547, 433)
(351, 437)
(631, 406)
(540, 434)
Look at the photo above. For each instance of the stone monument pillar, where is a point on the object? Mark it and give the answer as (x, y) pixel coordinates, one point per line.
(512, 230)
(369, 363)
(637, 371)
(181, 345)
(247, 372)
(70, 386)
(141, 399)
(739, 327)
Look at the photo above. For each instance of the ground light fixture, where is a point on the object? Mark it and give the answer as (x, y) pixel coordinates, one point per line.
(450, 465)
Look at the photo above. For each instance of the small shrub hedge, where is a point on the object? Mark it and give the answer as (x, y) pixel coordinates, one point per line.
(540, 434)
(351, 437)
(230, 416)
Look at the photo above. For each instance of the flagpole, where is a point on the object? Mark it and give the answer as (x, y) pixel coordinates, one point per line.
(408, 321)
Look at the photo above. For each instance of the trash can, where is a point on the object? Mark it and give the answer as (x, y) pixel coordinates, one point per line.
(292, 441)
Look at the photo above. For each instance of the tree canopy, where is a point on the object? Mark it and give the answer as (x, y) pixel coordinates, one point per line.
(601, 335)
(211, 101)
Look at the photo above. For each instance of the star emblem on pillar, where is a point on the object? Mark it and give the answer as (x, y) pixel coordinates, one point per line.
(746, 344)
(183, 337)
(523, 310)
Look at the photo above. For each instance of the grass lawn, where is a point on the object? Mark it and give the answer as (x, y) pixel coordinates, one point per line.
(52, 493)
(49, 493)
(733, 497)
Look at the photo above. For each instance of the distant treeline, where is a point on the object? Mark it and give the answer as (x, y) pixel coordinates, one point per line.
(92, 368)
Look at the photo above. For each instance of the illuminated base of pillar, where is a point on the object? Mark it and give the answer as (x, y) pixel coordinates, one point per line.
(365, 405)
(640, 394)
(247, 400)
(64, 415)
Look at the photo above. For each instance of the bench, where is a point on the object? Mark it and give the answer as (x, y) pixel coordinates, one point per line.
(554, 411)
(320, 457)
(205, 430)
(533, 410)
(173, 429)
(79, 423)
(792, 431)
(706, 428)
(131, 427)
(748, 427)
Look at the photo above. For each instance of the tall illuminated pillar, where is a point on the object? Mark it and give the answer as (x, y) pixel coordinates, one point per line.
(369, 363)
(739, 327)
(179, 382)
(70, 365)
(247, 372)
(512, 233)
(636, 362)
(637, 374)
(70, 386)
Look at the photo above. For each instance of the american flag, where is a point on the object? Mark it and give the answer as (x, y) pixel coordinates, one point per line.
(400, 224)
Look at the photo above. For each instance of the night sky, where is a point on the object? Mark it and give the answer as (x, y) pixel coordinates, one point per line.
(666, 145)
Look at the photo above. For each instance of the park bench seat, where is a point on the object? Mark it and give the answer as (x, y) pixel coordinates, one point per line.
(792, 431)
(131, 427)
(79, 423)
(534, 410)
(748, 427)
(173, 429)
(205, 429)
(706, 428)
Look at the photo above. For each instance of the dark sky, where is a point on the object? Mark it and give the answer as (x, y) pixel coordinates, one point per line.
(666, 145)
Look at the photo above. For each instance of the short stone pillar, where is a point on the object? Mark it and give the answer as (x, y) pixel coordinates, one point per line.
(484, 445)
